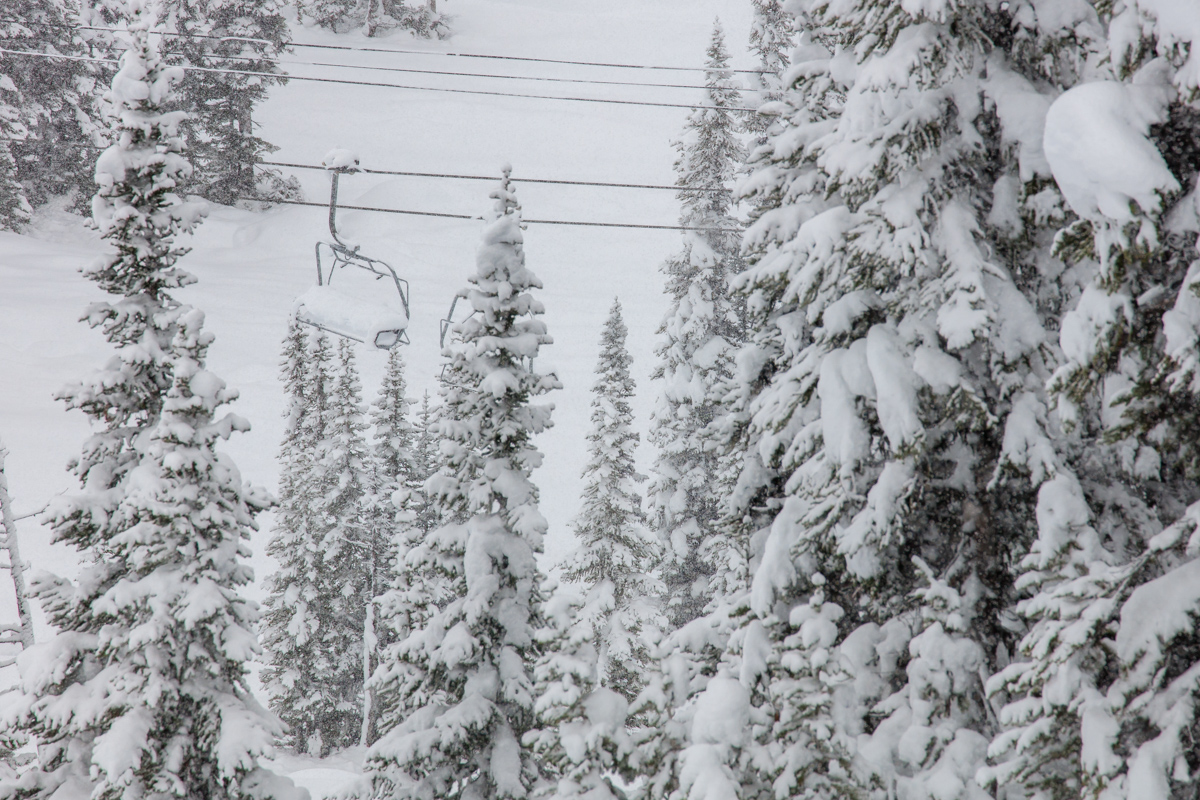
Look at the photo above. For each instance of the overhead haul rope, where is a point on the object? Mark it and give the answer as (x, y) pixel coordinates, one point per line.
(458, 74)
(407, 70)
(493, 178)
(480, 218)
(344, 81)
(389, 50)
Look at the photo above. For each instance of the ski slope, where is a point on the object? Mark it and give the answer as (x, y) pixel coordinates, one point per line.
(252, 265)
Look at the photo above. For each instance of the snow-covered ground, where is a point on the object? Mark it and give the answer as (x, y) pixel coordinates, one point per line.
(323, 777)
(252, 266)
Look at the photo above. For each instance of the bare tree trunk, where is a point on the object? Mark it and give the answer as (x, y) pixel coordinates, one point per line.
(368, 695)
(16, 566)
(369, 23)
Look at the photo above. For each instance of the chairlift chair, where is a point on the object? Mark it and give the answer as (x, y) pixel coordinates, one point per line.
(449, 321)
(381, 321)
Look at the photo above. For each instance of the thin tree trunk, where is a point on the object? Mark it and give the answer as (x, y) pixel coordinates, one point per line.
(16, 566)
(368, 694)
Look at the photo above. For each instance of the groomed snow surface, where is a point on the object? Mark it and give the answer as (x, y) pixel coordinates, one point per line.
(252, 266)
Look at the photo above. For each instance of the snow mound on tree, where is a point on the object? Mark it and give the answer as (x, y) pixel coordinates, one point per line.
(1158, 611)
(1098, 146)
(722, 712)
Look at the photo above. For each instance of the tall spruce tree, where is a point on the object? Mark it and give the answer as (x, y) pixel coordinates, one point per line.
(699, 333)
(14, 206)
(296, 621)
(391, 527)
(247, 36)
(58, 99)
(471, 694)
(348, 554)
(375, 17)
(1102, 698)
(142, 691)
(317, 620)
(772, 38)
(616, 552)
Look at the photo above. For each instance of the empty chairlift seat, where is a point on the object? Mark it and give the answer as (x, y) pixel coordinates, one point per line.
(369, 302)
(352, 316)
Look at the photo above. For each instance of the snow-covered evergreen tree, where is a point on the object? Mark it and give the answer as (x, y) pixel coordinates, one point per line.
(426, 462)
(933, 729)
(58, 105)
(14, 206)
(889, 414)
(1102, 701)
(349, 553)
(316, 624)
(581, 739)
(1055, 686)
(470, 694)
(295, 622)
(701, 710)
(616, 552)
(772, 38)
(391, 529)
(243, 35)
(804, 751)
(142, 691)
(699, 333)
(374, 17)
(415, 590)
(394, 457)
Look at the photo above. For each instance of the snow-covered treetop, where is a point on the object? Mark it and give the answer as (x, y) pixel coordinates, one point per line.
(709, 151)
(771, 35)
(496, 350)
(139, 171)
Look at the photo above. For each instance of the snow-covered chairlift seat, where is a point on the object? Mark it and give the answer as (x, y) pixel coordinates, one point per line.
(379, 319)
(365, 320)
(370, 315)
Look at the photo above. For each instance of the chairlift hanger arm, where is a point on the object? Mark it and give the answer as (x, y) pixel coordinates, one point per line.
(335, 173)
